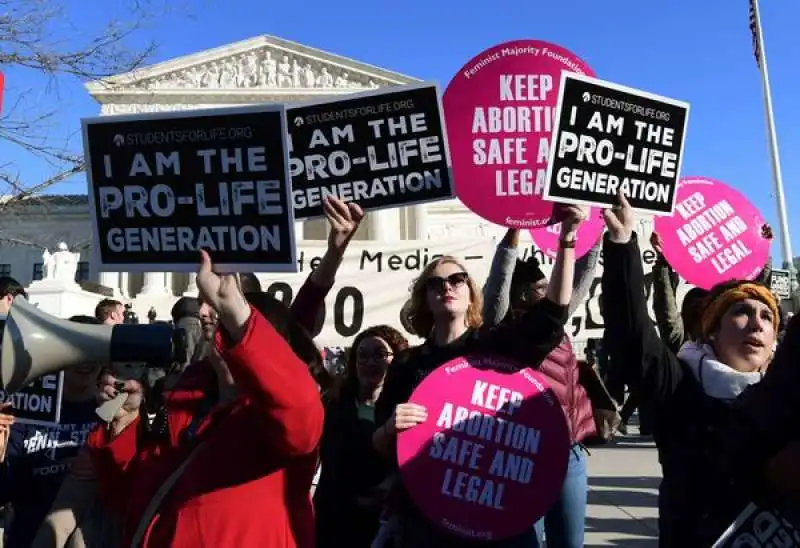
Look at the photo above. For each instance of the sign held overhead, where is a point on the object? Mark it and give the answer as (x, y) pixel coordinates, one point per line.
(610, 138)
(162, 186)
(381, 149)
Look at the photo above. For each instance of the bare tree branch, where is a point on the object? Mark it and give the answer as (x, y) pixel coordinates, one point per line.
(38, 36)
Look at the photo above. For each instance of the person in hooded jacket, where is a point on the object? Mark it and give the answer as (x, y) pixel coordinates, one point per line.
(511, 288)
(690, 395)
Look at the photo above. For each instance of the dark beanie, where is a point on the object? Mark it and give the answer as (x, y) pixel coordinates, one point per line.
(186, 307)
(527, 272)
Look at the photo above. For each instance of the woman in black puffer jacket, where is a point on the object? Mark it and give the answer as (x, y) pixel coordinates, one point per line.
(689, 395)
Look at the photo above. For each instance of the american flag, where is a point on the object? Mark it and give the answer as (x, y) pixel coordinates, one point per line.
(754, 23)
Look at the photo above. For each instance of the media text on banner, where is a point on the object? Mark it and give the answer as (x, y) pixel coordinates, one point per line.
(781, 283)
(162, 186)
(715, 234)
(380, 149)
(609, 139)
(37, 403)
(495, 441)
(500, 108)
(759, 526)
(372, 284)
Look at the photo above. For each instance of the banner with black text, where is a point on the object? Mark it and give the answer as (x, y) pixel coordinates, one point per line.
(373, 283)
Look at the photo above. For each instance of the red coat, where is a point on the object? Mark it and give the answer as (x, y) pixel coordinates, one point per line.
(248, 487)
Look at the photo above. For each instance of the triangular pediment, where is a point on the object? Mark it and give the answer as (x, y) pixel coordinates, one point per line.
(260, 64)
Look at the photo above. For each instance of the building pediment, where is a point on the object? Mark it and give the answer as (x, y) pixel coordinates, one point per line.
(243, 72)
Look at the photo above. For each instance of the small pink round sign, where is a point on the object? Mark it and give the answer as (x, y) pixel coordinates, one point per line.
(492, 456)
(714, 234)
(499, 110)
(589, 232)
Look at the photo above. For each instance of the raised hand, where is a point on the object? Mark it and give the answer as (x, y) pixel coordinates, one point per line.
(344, 219)
(222, 293)
(657, 242)
(620, 220)
(571, 218)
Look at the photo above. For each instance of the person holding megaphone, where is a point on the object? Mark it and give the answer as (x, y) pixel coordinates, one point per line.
(229, 472)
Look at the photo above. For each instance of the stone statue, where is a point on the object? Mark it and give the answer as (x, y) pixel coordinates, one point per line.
(285, 79)
(229, 75)
(269, 76)
(48, 262)
(309, 76)
(248, 75)
(325, 80)
(341, 81)
(65, 264)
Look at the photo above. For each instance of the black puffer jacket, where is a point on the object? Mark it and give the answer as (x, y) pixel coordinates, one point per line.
(700, 495)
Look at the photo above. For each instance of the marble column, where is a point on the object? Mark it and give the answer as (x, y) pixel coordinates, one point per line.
(155, 283)
(384, 226)
(299, 230)
(420, 217)
(191, 289)
(110, 280)
(125, 284)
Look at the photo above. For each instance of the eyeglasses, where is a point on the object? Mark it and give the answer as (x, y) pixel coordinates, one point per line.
(378, 356)
(438, 284)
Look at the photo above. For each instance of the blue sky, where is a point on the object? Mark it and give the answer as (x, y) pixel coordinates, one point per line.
(697, 51)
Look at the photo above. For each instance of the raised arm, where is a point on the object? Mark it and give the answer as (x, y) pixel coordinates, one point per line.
(497, 291)
(584, 276)
(344, 220)
(540, 329)
(633, 343)
(665, 306)
(278, 382)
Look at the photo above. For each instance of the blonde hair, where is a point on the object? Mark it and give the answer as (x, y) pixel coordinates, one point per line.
(420, 316)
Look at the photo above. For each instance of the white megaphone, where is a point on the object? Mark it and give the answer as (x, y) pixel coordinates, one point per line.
(36, 344)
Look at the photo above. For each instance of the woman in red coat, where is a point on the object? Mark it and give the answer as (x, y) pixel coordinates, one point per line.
(256, 439)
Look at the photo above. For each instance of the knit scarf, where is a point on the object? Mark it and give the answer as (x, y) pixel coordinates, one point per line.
(717, 379)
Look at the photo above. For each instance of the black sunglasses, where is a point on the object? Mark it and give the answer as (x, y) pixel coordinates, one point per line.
(438, 284)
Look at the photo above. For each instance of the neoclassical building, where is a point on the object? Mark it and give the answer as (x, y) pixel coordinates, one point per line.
(264, 69)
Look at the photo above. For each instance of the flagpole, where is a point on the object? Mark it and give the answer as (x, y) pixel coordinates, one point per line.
(772, 134)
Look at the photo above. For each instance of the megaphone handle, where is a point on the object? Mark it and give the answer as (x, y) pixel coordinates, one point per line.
(108, 411)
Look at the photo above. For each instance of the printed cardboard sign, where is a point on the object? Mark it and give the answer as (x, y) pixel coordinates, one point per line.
(610, 138)
(759, 526)
(500, 108)
(714, 235)
(781, 283)
(496, 440)
(381, 149)
(40, 401)
(162, 186)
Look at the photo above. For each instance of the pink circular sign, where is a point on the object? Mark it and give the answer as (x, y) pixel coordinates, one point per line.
(499, 111)
(714, 234)
(491, 458)
(590, 231)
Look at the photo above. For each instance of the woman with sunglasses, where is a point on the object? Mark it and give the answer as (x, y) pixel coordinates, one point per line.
(347, 508)
(446, 310)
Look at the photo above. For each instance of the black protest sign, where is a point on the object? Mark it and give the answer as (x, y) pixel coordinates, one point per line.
(759, 526)
(611, 138)
(162, 186)
(781, 283)
(380, 149)
(37, 403)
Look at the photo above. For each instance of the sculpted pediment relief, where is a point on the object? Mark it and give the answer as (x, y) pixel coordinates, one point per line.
(264, 63)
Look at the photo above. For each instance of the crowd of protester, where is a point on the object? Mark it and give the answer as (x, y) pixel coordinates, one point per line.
(256, 439)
